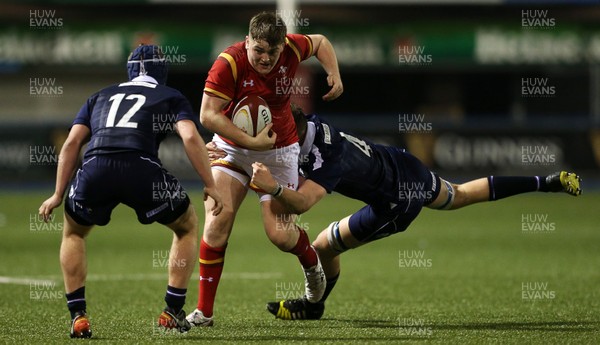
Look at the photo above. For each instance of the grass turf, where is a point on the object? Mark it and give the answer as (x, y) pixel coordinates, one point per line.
(469, 276)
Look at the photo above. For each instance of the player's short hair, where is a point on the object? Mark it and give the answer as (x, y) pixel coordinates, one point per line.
(300, 120)
(269, 27)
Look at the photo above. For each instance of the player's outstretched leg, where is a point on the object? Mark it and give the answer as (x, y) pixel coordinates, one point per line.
(454, 196)
(499, 187)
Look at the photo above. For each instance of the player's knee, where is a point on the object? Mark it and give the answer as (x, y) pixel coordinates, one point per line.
(281, 239)
(320, 243)
(217, 228)
(72, 228)
(334, 242)
(223, 220)
(187, 223)
(323, 248)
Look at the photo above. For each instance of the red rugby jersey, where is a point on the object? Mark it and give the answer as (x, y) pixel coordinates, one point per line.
(232, 78)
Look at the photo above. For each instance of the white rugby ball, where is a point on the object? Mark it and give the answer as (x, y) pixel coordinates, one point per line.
(251, 115)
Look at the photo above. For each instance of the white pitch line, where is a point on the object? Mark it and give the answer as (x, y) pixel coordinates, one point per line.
(24, 281)
(163, 275)
(137, 277)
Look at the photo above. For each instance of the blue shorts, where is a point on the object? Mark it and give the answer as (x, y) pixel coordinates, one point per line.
(132, 178)
(389, 216)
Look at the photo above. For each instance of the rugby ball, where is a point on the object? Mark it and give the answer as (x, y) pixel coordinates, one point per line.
(251, 115)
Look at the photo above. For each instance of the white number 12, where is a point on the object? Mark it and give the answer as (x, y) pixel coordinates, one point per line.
(116, 102)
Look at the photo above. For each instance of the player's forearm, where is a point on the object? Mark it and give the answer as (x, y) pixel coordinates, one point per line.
(67, 162)
(295, 202)
(196, 151)
(219, 124)
(325, 53)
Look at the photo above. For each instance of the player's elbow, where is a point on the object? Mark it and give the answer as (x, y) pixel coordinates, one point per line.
(187, 131)
(316, 40)
(75, 141)
(71, 145)
(191, 138)
(207, 119)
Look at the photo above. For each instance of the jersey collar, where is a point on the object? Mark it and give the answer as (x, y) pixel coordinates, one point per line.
(145, 78)
(309, 139)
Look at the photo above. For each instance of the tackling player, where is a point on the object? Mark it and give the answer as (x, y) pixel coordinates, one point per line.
(125, 124)
(267, 58)
(395, 186)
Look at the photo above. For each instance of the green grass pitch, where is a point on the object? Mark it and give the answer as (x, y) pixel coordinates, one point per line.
(520, 270)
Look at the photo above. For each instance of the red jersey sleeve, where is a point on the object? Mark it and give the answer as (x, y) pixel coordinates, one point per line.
(222, 77)
(301, 45)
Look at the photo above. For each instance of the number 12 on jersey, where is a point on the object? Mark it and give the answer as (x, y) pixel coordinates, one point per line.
(114, 107)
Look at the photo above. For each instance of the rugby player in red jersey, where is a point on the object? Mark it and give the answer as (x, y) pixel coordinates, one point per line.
(266, 58)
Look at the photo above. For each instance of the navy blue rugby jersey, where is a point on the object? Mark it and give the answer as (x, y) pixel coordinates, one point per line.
(357, 168)
(133, 116)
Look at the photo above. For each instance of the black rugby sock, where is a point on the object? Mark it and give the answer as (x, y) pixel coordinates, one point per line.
(76, 301)
(330, 285)
(175, 298)
(505, 186)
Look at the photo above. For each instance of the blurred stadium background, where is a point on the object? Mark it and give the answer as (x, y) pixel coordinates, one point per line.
(471, 87)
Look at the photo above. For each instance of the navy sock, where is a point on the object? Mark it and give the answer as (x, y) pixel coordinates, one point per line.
(505, 186)
(175, 298)
(76, 301)
(330, 285)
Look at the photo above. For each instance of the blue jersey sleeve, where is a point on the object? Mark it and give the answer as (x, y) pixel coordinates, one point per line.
(182, 107)
(85, 113)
